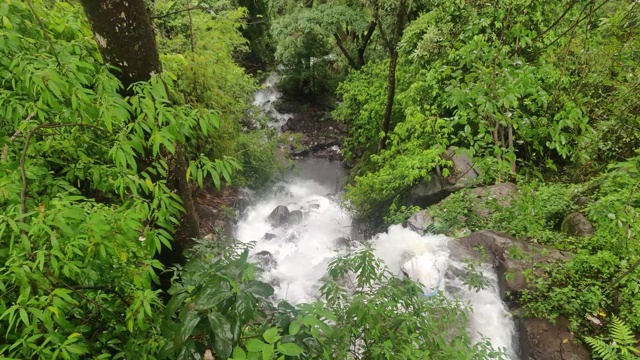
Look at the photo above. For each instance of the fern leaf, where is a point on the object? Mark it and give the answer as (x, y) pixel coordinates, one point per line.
(601, 349)
(621, 333)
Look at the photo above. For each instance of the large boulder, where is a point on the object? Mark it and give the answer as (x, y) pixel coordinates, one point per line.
(576, 224)
(295, 217)
(279, 215)
(265, 259)
(437, 187)
(541, 339)
(512, 258)
(503, 194)
(244, 198)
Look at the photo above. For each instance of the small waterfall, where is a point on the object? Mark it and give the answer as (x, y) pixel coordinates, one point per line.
(266, 98)
(295, 255)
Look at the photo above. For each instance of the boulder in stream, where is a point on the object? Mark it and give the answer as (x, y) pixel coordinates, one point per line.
(343, 243)
(268, 236)
(437, 187)
(266, 260)
(279, 215)
(295, 217)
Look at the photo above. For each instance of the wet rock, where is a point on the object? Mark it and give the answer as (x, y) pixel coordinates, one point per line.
(268, 236)
(266, 260)
(244, 198)
(323, 143)
(279, 215)
(510, 257)
(541, 339)
(299, 153)
(331, 153)
(580, 200)
(436, 187)
(576, 224)
(503, 194)
(342, 242)
(420, 221)
(292, 238)
(295, 217)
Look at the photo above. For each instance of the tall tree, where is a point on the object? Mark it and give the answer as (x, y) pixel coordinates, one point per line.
(126, 40)
(391, 18)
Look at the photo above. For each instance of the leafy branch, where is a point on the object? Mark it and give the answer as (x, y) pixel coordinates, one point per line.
(23, 156)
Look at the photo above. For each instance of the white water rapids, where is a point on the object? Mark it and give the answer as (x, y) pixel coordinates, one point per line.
(300, 252)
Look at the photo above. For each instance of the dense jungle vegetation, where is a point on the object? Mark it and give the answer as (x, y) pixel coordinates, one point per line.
(115, 115)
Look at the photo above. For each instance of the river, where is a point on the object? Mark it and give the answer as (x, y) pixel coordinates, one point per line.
(296, 256)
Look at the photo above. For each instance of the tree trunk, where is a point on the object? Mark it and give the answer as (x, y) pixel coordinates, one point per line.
(391, 92)
(125, 38)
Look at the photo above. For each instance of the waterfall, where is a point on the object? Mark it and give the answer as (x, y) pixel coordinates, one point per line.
(295, 254)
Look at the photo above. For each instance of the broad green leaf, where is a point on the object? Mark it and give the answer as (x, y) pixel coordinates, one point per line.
(255, 345)
(271, 335)
(294, 327)
(290, 349)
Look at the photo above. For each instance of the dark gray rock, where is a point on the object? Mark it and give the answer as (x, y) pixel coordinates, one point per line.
(576, 224)
(343, 242)
(541, 339)
(279, 215)
(295, 217)
(244, 198)
(299, 153)
(420, 221)
(268, 236)
(437, 187)
(266, 260)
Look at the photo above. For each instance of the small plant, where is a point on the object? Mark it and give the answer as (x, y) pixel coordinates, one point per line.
(619, 345)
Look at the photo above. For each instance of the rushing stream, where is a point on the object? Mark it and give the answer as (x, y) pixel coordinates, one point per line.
(295, 256)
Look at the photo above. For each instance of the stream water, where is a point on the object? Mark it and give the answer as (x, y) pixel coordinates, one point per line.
(296, 256)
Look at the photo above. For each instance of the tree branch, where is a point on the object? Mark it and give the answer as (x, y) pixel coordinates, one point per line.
(44, 33)
(5, 151)
(556, 21)
(344, 51)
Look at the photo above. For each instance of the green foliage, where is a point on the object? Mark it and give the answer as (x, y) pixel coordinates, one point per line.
(216, 297)
(604, 273)
(621, 345)
(526, 90)
(218, 304)
(379, 316)
(363, 96)
(208, 76)
(399, 215)
(84, 190)
(309, 37)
